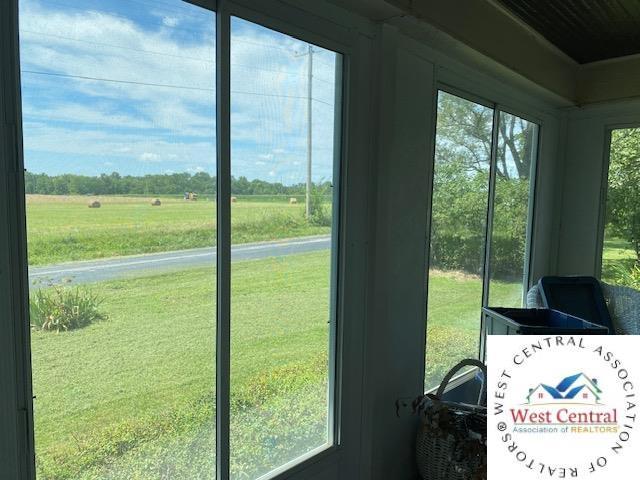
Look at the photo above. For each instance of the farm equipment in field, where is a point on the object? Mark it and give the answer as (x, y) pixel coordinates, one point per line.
(191, 196)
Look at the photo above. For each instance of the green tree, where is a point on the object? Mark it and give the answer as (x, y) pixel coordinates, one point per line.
(623, 197)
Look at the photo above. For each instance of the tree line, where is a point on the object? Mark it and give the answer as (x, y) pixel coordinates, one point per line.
(159, 184)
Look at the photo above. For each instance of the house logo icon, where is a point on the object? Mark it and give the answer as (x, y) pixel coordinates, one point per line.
(578, 388)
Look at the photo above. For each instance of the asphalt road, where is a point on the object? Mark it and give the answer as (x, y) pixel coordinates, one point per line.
(123, 267)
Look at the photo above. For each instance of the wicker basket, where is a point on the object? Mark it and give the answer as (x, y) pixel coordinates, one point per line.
(452, 441)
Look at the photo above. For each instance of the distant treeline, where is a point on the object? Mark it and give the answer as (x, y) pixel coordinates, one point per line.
(168, 184)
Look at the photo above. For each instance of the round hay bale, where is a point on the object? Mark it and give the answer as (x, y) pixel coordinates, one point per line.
(293, 201)
(94, 204)
(156, 202)
(234, 199)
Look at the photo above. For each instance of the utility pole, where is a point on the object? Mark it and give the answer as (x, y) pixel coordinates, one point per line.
(309, 129)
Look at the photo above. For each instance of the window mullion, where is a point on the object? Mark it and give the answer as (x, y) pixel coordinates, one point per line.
(486, 269)
(223, 199)
(528, 258)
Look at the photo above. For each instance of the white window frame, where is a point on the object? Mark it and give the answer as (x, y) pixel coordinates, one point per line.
(349, 244)
(497, 108)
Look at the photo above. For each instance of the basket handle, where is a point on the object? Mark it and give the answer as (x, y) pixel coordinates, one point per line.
(464, 363)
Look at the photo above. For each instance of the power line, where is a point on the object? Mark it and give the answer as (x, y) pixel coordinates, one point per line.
(130, 82)
(298, 97)
(165, 85)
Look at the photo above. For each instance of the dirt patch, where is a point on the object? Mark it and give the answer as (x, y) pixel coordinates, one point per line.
(454, 274)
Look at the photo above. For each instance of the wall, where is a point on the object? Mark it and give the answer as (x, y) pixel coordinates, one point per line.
(411, 71)
(584, 183)
(396, 336)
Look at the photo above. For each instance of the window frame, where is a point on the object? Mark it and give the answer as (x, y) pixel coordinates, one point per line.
(15, 372)
(497, 108)
(277, 20)
(348, 229)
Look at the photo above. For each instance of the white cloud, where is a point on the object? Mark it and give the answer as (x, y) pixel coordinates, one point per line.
(149, 157)
(153, 124)
(170, 21)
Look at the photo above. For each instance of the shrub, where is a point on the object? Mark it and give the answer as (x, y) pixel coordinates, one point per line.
(61, 309)
(320, 213)
(628, 277)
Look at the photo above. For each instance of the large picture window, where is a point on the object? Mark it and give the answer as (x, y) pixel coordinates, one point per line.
(282, 134)
(481, 211)
(182, 198)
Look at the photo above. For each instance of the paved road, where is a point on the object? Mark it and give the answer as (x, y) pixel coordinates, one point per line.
(116, 268)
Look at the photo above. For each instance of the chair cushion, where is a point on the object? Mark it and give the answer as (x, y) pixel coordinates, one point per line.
(534, 299)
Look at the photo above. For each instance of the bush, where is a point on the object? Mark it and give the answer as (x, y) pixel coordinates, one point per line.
(459, 221)
(320, 213)
(628, 277)
(61, 309)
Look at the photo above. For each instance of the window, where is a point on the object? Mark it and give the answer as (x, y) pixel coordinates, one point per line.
(458, 231)
(480, 217)
(621, 247)
(282, 135)
(119, 122)
(182, 293)
(515, 161)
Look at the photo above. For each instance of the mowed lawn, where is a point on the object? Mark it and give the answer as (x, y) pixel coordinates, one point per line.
(618, 254)
(133, 396)
(453, 327)
(63, 228)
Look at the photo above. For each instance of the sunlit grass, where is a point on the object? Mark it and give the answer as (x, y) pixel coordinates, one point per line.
(140, 386)
(64, 229)
(617, 254)
(133, 397)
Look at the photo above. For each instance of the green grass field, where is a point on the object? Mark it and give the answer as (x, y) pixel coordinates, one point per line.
(133, 397)
(617, 254)
(63, 228)
(140, 385)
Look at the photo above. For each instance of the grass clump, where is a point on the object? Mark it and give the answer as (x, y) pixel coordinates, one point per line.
(61, 309)
(627, 276)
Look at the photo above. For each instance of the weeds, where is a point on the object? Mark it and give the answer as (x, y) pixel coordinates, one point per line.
(61, 309)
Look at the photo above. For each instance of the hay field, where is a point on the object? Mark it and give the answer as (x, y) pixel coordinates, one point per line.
(61, 228)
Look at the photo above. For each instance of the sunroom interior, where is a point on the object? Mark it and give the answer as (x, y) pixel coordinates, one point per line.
(238, 238)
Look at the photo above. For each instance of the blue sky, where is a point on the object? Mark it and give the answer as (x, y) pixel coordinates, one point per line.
(146, 99)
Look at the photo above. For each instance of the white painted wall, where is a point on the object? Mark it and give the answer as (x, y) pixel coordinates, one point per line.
(583, 183)
(396, 333)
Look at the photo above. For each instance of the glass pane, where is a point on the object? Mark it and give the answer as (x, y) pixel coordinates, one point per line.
(458, 226)
(281, 283)
(515, 161)
(621, 253)
(119, 122)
